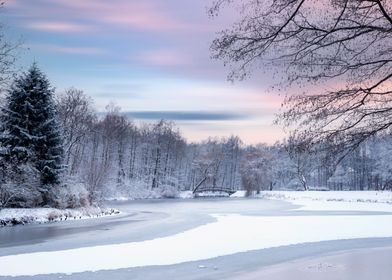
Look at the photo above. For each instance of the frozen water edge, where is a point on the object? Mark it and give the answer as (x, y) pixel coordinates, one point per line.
(20, 216)
(229, 234)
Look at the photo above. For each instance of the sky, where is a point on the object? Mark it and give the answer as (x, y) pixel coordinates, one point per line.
(151, 58)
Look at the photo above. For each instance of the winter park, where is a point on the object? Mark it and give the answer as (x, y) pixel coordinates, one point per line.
(208, 139)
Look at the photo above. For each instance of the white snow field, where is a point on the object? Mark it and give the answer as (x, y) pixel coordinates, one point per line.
(346, 196)
(228, 235)
(368, 201)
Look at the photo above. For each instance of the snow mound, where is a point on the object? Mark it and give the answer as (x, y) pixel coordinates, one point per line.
(21, 216)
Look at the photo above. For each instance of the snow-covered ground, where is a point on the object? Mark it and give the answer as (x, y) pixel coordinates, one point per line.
(212, 194)
(227, 234)
(346, 196)
(373, 201)
(15, 216)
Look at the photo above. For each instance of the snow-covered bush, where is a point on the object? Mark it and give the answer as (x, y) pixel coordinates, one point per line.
(169, 191)
(19, 186)
(10, 217)
(69, 195)
(19, 196)
(139, 189)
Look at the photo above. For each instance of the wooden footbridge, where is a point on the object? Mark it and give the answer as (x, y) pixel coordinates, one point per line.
(206, 189)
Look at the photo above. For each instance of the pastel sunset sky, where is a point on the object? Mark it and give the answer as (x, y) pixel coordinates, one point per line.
(150, 57)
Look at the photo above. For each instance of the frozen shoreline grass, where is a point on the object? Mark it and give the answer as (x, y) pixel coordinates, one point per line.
(21, 216)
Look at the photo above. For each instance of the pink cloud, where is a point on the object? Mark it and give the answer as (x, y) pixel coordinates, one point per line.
(164, 58)
(140, 15)
(144, 15)
(56, 26)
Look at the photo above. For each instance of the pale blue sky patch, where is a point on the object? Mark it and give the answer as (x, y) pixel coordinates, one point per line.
(145, 56)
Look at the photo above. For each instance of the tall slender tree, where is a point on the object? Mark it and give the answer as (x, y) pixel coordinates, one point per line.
(30, 130)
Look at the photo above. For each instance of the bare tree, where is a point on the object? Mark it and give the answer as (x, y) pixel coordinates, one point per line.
(343, 45)
(8, 55)
(207, 165)
(76, 116)
(301, 160)
(256, 170)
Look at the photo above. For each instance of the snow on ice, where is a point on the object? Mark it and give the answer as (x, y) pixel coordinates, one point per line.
(230, 234)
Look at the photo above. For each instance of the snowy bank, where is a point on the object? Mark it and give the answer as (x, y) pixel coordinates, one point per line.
(342, 196)
(148, 194)
(16, 216)
(373, 201)
(212, 194)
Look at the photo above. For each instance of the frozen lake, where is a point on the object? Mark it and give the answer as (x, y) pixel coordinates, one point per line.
(187, 239)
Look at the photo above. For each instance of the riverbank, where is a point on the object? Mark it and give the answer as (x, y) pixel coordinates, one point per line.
(22, 216)
(339, 196)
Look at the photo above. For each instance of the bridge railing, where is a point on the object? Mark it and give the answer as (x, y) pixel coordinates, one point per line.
(211, 189)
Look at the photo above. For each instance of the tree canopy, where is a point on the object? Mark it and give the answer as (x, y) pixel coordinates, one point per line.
(342, 48)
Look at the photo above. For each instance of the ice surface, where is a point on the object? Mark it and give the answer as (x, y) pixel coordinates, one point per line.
(228, 235)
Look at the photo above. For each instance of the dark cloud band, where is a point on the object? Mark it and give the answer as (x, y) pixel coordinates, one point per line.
(184, 116)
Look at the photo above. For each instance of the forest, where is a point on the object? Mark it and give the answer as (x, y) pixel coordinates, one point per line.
(56, 149)
(107, 156)
(206, 139)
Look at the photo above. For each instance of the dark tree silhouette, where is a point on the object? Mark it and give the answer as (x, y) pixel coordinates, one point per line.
(30, 131)
(8, 55)
(343, 45)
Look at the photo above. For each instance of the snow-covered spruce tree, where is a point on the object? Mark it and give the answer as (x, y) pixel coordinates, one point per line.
(30, 130)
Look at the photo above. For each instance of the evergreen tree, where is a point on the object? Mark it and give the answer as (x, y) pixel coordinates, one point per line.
(30, 129)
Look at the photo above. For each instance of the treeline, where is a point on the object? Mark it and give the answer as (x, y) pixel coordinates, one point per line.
(73, 156)
(114, 157)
